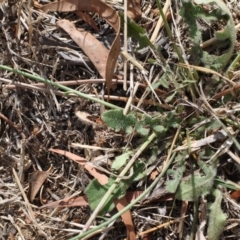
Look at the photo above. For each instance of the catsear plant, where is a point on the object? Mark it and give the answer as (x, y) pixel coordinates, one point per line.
(116, 120)
(191, 12)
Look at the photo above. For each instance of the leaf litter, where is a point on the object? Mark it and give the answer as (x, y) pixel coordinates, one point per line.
(88, 149)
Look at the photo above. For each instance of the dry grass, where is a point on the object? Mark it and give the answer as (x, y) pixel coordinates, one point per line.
(36, 117)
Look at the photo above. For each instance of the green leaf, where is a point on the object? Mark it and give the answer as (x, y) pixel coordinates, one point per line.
(226, 184)
(116, 120)
(165, 80)
(139, 33)
(195, 186)
(172, 185)
(217, 219)
(95, 192)
(189, 81)
(170, 98)
(152, 61)
(159, 129)
(142, 130)
(121, 160)
(176, 175)
(227, 36)
(138, 172)
(213, 125)
(172, 120)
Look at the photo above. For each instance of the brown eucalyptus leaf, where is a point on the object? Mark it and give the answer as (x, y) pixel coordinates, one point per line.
(126, 217)
(94, 49)
(88, 20)
(68, 202)
(111, 16)
(102, 178)
(82, 200)
(36, 180)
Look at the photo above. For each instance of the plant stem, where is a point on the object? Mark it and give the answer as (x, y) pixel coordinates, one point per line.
(169, 32)
(66, 89)
(195, 217)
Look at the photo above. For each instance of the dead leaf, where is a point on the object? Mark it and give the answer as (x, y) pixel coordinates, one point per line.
(88, 20)
(82, 201)
(126, 217)
(235, 194)
(84, 117)
(134, 9)
(102, 178)
(103, 59)
(36, 4)
(94, 49)
(200, 231)
(195, 145)
(68, 202)
(154, 174)
(36, 180)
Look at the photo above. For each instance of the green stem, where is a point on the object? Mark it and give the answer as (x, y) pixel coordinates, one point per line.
(66, 89)
(195, 217)
(169, 32)
(234, 65)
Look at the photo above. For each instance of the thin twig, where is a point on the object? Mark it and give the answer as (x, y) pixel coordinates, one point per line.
(59, 93)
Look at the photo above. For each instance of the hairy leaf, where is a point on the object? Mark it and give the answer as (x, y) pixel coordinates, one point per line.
(116, 120)
(227, 36)
(197, 185)
(172, 185)
(95, 192)
(217, 218)
(121, 160)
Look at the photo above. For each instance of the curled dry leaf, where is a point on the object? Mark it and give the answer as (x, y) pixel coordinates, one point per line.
(126, 217)
(36, 180)
(88, 20)
(83, 116)
(103, 59)
(235, 194)
(154, 174)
